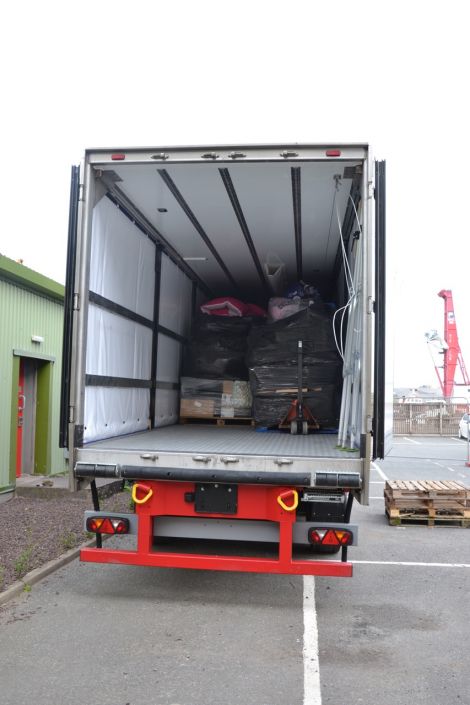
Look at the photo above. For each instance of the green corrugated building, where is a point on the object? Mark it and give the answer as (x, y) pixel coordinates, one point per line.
(31, 323)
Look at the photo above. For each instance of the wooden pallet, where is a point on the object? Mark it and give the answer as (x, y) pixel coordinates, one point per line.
(423, 502)
(420, 519)
(427, 501)
(452, 511)
(219, 420)
(427, 489)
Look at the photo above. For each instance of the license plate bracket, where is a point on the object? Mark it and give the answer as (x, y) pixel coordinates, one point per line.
(216, 498)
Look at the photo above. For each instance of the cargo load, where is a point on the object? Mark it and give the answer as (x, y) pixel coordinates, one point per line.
(274, 372)
(215, 398)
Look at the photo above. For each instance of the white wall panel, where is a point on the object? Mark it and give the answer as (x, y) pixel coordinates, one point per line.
(144, 186)
(168, 359)
(175, 298)
(166, 407)
(116, 346)
(115, 411)
(122, 266)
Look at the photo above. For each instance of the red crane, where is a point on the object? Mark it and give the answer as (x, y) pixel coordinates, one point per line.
(450, 349)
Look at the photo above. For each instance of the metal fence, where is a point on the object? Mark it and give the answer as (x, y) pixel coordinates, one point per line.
(436, 418)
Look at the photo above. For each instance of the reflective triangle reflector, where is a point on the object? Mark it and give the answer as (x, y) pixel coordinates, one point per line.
(107, 527)
(330, 539)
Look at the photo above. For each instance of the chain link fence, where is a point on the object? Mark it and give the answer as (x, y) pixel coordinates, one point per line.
(434, 418)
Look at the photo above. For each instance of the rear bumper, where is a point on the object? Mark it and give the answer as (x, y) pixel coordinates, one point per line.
(255, 503)
(224, 563)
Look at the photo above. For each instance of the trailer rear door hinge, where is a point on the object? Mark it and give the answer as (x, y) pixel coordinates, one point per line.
(370, 305)
(71, 413)
(76, 302)
(369, 424)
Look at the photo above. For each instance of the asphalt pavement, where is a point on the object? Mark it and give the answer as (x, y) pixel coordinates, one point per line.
(393, 634)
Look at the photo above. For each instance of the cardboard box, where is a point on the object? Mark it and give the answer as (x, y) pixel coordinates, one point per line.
(199, 408)
(227, 387)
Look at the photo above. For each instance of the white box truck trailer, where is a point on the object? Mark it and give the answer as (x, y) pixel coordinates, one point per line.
(153, 234)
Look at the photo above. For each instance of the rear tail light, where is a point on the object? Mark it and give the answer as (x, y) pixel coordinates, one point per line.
(330, 537)
(107, 525)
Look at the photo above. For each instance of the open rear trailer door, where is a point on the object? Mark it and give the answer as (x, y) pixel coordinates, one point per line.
(68, 307)
(378, 450)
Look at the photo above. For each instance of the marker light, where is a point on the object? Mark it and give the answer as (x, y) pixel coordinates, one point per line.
(333, 152)
(330, 537)
(107, 525)
(118, 157)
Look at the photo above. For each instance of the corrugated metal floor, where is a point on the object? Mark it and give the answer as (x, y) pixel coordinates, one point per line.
(243, 440)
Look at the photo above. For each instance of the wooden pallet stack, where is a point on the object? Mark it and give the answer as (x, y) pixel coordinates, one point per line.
(427, 501)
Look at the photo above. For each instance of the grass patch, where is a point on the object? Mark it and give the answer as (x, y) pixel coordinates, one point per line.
(69, 540)
(22, 564)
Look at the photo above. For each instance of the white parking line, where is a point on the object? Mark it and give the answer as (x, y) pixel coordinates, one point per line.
(451, 469)
(380, 471)
(377, 498)
(411, 440)
(376, 482)
(312, 691)
(415, 564)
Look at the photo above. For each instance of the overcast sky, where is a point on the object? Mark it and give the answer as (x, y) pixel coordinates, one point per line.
(96, 74)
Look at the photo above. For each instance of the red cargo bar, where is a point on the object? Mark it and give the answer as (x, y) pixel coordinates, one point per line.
(159, 498)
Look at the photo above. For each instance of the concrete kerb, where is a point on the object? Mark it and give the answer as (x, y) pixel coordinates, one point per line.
(34, 576)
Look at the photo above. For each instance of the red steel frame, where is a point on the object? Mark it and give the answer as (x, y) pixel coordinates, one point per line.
(453, 354)
(254, 502)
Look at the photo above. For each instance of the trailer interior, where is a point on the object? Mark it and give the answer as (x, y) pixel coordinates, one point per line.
(167, 234)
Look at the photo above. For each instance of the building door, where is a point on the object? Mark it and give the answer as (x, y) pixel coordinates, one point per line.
(20, 421)
(30, 373)
(33, 417)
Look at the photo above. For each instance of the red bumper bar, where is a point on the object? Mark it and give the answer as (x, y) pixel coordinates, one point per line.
(261, 502)
(204, 562)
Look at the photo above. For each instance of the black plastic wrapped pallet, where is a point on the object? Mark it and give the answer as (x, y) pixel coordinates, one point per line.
(270, 410)
(214, 361)
(217, 348)
(277, 342)
(267, 379)
(220, 327)
(273, 362)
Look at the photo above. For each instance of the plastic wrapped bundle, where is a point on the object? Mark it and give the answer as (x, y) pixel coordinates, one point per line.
(272, 379)
(215, 398)
(277, 342)
(222, 326)
(273, 362)
(214, 362)
(270, 409)
(217, 348)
